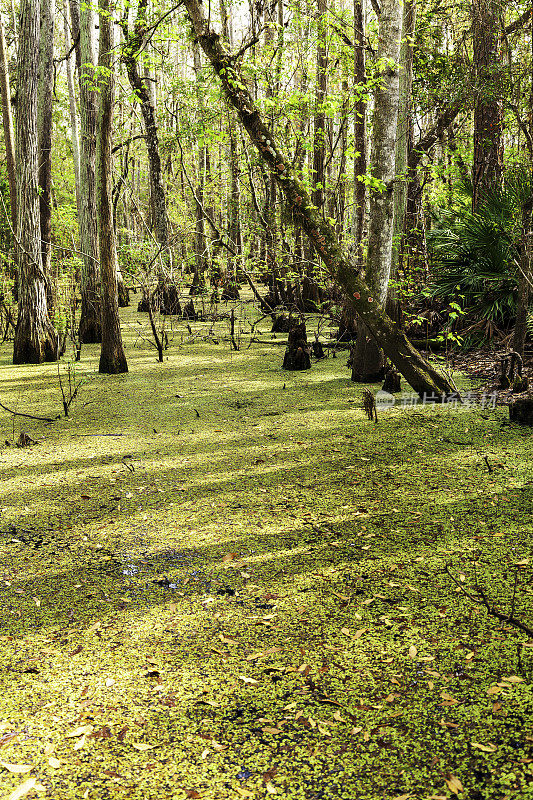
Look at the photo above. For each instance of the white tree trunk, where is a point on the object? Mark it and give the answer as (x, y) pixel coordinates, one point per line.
(402, 143)
(368, 359)
(383, 148)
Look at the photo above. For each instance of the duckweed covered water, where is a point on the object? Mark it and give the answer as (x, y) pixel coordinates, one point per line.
(219, 580)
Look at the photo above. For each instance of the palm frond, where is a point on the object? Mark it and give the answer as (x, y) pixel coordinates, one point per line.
(475, 255)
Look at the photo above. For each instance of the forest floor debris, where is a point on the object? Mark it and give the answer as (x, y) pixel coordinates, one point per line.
(219, 580)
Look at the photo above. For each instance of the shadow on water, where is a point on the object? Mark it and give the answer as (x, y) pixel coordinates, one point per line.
(138, 574)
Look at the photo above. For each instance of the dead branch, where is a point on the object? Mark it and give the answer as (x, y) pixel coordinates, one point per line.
(483, 600)
(29, 416)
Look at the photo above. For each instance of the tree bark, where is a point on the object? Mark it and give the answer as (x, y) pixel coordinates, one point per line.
(83, 24)
(234, 204)
(319, 117)
(7, 118)
(488, 141)
(44, 128)
(74, 127)
(418, 372)
(134, 42)
(348, 318)
(35, 337)
(368, 358)
(360, 145)
(402, 144)
(270, 215)
(343, 145)
(112, 357)
(200, 242)
(524, 282)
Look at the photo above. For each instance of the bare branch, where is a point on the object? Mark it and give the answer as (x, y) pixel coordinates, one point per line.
(510, 619)
(246, 46)
(29, 416)
(518, 23)
(128, 141)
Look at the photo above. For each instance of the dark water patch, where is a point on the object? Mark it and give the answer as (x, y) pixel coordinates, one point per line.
(244, 774)
(27, 536)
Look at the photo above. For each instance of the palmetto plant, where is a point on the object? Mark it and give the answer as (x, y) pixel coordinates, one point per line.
(476, 256)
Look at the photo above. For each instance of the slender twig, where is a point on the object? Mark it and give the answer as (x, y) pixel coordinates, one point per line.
(72, 392)
(491, 611)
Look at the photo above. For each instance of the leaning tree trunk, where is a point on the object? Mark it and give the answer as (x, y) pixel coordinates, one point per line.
(368, 359)
(83, 32)
(44, 129)
(112, 358)
(35, 337)
(418, 372)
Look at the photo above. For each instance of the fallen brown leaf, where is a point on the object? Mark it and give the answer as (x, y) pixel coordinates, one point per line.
(16, 769)
(485, 748)
(25, 788)
(454, 784)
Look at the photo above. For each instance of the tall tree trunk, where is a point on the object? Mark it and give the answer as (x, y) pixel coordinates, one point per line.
(74, 127)
(200, 242)
(402, 146)
(83, 27)
(319, 121)
(303, 123)
(368, 360)
(35, 337)
(269, 208)
(524, 281)
(235, 195)
(44, 129)
(112, 358)
(7, 118)
(133, 44)
(342, 182)
(418, 372)
(360, 148)
(488, 141)
(360, 144)
(234, 205)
